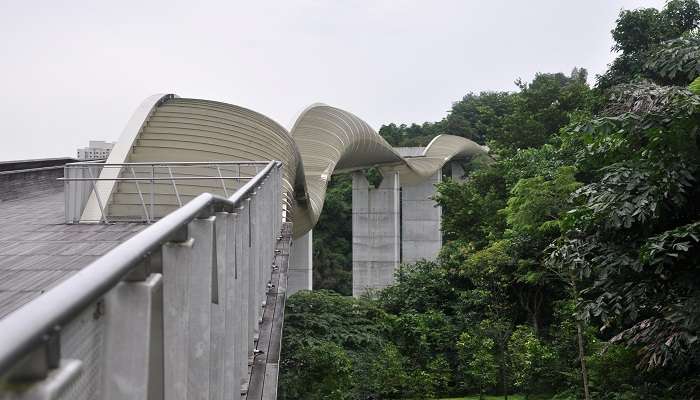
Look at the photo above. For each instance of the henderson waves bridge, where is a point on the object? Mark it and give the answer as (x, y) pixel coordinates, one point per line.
(162, 273)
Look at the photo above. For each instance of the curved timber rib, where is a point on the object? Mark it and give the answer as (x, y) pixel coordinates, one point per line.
(323, 140)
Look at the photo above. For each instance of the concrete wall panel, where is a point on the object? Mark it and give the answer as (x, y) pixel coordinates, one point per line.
(421, 237)
(376, 225)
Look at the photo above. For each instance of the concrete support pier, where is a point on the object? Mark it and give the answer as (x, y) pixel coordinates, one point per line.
(421, 237)
(376, 235)
(300, 274)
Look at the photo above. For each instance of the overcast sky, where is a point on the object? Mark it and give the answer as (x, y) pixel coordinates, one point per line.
(71, 71)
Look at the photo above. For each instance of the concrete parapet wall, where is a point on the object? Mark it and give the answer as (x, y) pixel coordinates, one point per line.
(19, 165)
(30, 182)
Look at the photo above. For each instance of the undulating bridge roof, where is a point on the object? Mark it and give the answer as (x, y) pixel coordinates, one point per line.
(323, 140)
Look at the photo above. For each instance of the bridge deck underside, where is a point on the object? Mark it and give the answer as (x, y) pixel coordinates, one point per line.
(38, 250)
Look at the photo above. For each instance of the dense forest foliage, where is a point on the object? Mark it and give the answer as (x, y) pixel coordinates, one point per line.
(332, 239)
(569, 268)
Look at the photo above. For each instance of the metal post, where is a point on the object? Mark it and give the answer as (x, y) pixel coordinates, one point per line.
(68, 204)
(138, 189)
(153, 190)
(177, 194)
(97, 196)
(257, 265)
(252, 275)
(223, 184)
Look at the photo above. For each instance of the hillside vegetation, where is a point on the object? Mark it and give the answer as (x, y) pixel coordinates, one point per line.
(569, 268)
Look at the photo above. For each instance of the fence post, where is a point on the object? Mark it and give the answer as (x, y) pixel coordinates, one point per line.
(252, 275)
(134, 340)
(187, 296)
(244, 274)
(226, 315)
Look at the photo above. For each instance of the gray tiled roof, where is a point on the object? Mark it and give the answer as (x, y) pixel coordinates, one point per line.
(37, 250)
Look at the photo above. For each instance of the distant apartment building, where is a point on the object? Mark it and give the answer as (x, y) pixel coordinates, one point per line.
(96, 150)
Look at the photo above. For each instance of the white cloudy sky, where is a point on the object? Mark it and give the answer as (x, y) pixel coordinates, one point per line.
(71, 71)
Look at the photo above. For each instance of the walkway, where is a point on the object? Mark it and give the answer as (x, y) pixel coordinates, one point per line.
(38, 250)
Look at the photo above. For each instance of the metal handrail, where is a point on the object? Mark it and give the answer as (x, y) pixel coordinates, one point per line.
(148, 179)
(26, 328)
(173, 163)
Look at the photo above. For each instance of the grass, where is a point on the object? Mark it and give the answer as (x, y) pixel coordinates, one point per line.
(510, 397)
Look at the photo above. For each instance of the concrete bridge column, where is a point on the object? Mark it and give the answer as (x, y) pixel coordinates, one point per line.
(420, 221)
(375, 232)
(300, 274)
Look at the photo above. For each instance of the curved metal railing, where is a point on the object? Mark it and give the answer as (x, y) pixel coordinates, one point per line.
(149, 179)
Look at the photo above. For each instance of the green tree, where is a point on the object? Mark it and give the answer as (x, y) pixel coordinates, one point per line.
(695, 86)
(317, 371)
(491, 270)
(541, 108)
(568, 264)
(675, 62)
(423, 335)
(500, 329)
(388, 373)
(637, 35)
(328, 339)
(534, 213)
(419, 288)
(440, 372)
(479, 117)
(470, 209)
(478, 364)
(411, 135)
(613, 369)
(332, 239)
(565, 344)
(537, 203)
(530, 359)
(632, 238)
(506, 121)
(583, 232)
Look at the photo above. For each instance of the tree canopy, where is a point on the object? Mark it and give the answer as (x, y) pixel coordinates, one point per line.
(569, 265)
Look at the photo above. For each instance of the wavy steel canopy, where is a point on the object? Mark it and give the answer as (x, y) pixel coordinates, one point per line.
(324, 140)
